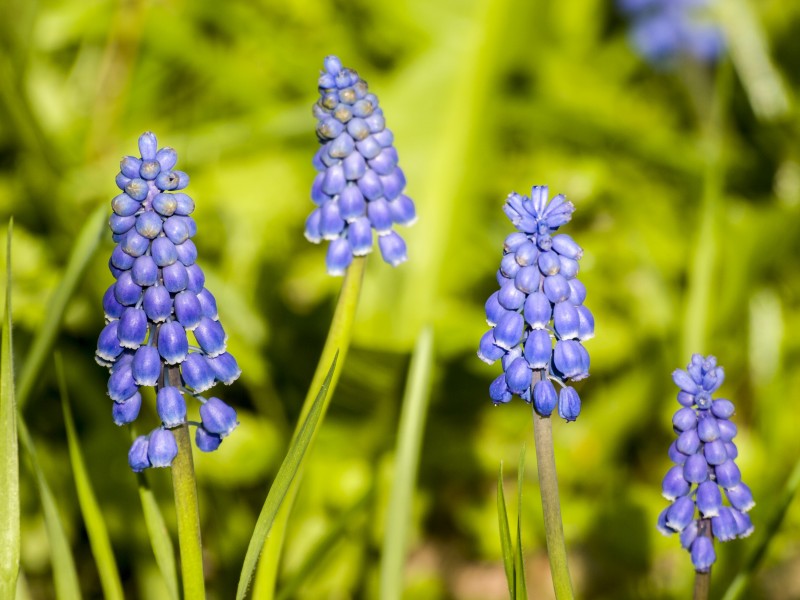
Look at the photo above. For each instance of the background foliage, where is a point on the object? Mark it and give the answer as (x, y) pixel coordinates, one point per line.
(484, 97)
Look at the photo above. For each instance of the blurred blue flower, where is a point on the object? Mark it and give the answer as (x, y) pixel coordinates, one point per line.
(663, 30)
(359, 187)
(537, 317)
(156, 302)
(704, 470)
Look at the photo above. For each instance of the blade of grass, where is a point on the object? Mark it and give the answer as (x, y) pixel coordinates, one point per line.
(277, 492)
(505, 536)
(742, 579)
(750, 55)
(9, 450)
(160, 540)
(519, 556)
(79, 258)
(316, 557)
(90, 509)
(337, 343)
(409, 442)
(65, 575)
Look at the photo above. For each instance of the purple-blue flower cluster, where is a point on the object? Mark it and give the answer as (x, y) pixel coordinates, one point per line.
(662, 30)
(359, 186)
(158, 299)
(704, 455)
(537, 317)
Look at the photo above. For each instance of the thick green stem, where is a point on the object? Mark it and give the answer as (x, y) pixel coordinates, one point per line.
(548, 488)
(186, 508)
(702, 585)
(338, 339)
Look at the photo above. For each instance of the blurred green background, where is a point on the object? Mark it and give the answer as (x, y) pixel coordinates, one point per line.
(484, 97)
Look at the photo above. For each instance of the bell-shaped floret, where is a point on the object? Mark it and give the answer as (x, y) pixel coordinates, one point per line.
(544, 397)
(218, 417)
(127, 411)
(205, 440)
(197, 373)
(171, 406)
(137, 455)
(569, 404)
(162, 449)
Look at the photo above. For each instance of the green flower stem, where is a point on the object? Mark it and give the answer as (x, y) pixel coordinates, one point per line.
(548, 488)
(702, 585)
(703, 261)
(186, 508)
(339, 337)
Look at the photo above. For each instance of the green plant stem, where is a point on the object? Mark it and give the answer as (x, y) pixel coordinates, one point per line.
(9, 449)
(186, 508)
(703, 260)
(702, 585)
(339, 337)
(548, 488)
(409, 444)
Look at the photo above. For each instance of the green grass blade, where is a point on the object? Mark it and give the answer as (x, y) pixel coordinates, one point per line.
(750, 54)
(337, 344)
(290, 466)
(160, 540)
(409, 442)
(79, 258)
(65, 575)
(739, 585)
(519, 556)
(505, 536)
(9, 450)
(90, 509)
(316, 557)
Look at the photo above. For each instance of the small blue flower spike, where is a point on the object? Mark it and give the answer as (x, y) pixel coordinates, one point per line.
(537, 317)
(160, 318)
(664, 30)
(704, 469)
(359, 187)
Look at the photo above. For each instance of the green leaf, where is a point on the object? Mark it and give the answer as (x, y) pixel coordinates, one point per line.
(739, 585)
(9, 450)
(79, 258)
(519, 556)
(157, 531)
(316, 557)
(64, 574)
(409, 441)
(749, 52)
(290, 466)
(90, 509)
(505, 535)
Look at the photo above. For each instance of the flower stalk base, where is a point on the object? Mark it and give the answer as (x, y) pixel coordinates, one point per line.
(551, 508)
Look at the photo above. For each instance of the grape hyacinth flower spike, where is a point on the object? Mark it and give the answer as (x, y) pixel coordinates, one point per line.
(158, 301)
(359, 187)
(664, 30)
(537, 317)
(704, 471)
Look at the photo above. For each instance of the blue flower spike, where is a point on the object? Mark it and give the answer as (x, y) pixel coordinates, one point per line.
(359, 187)
(704, 471)
(663, 31)
(537, 317)
(160, 318)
